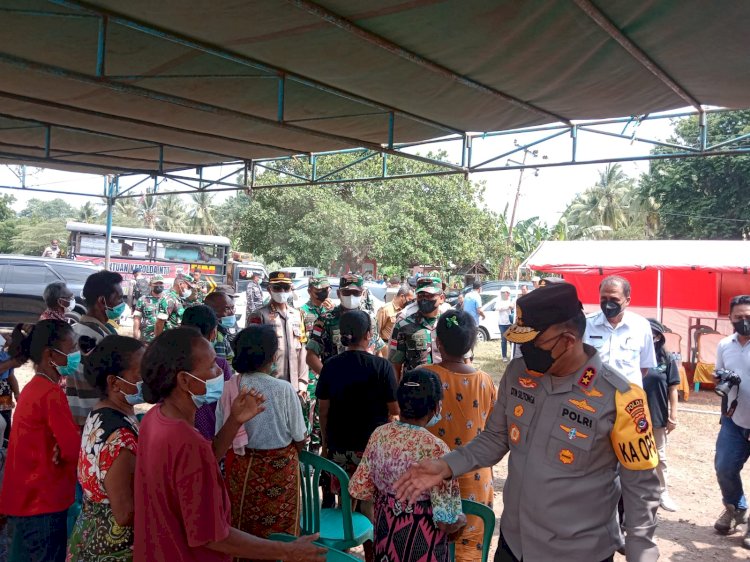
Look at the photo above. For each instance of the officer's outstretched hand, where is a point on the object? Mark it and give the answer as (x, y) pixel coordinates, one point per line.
(421, 477)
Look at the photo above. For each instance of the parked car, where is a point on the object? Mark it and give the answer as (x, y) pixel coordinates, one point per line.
(489, 326)
(22, 283)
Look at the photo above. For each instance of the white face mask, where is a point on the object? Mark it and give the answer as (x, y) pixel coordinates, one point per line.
(186, 293)
(280, 297)
(350, 301)
(68, 307)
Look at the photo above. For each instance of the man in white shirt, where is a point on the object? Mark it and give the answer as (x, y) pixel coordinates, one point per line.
(732, 445)
(622, 338)
(504, 308)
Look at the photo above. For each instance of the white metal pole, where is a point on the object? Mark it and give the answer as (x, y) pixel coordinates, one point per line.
(659, 312)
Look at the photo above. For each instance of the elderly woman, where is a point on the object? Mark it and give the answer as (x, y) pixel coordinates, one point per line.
(263, 476)
(59, 300)
(40, 474)
(392, 449)
(182, 509)
(106, 462)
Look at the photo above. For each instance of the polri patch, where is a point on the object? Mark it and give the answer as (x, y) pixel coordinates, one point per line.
(518, 411)
(527, 383)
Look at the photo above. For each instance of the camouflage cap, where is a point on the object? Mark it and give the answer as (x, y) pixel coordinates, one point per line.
(433, 285)
(351, 279)
(156, 279)
(319, 282)
(187, 278)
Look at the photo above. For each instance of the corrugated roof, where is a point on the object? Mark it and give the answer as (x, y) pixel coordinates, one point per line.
(182, 85)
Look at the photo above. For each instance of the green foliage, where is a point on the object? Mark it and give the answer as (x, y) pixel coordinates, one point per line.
(31, 238)
(172, 213)
(202, 215)
(88, 213)
(6, 207)
(43, 211)
(7, 232)
(703, 198)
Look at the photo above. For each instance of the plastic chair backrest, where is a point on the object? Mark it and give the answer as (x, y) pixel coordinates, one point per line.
(332, 555)
(487, 516)
(311, 466)
(708, 344)
(697, 333)
(673, 342)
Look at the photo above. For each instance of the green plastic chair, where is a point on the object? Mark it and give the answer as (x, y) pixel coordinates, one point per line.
(332, 555)
(488, 519)
(339, 528)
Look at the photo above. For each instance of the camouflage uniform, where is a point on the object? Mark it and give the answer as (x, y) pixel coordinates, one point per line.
(147, 308)
(310, 314)
(325, 338)
(171, 309)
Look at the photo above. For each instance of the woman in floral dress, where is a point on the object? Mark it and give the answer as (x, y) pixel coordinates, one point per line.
(468, 397)
(106, 462)
(419, 532)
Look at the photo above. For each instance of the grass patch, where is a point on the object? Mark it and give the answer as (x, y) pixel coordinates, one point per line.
(487, 357)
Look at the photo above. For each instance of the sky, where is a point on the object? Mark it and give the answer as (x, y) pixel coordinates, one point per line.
(545, 194)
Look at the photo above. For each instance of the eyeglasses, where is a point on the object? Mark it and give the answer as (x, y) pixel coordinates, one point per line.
(279, 288)
(350, 292)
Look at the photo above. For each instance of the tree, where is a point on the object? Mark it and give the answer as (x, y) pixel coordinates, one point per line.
(37, 210)
(125, 213)
(148, 211)
(202, 218)
(172, 213)
(31, 238)
(703, 198)
(89, 213)
(6, 207)
(229, 217)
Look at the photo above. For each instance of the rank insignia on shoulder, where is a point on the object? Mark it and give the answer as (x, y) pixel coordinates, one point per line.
(592, 392)
(527, 383)
(587, 377)
(573, 432)
(514, 433)
(566, 456)
(582, 405)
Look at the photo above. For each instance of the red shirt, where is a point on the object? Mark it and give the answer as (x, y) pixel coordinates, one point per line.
(180, 499)
(32, 484)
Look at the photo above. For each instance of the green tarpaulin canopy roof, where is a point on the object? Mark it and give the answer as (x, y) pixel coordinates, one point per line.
(144, 86)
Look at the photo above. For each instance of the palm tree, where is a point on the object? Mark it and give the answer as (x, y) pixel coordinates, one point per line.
(88, 213)
(202, 220)
(125, 212)
(148, 211)
(172, 213)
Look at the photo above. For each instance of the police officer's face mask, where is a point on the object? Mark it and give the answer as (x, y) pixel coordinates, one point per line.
(540, 360)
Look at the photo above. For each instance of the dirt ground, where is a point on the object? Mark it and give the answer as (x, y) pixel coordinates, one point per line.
(686, 535)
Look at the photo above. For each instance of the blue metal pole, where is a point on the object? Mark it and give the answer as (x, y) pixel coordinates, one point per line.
(391, 120)
(280, 110)
(101, 50)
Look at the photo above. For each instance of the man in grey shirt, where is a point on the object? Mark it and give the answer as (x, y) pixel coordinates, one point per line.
(578, 434)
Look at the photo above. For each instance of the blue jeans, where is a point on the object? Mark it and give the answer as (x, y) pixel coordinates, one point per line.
(503, 341)
(732, 451)
(38, 538)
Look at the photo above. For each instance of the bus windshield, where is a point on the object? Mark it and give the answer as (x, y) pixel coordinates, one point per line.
(155, 252)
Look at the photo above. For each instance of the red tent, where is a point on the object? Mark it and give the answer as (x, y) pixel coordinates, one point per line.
(683, 282)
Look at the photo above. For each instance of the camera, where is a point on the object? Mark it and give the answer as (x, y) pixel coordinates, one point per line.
(727, 379)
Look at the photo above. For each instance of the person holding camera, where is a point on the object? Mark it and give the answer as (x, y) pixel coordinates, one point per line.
(732, 445)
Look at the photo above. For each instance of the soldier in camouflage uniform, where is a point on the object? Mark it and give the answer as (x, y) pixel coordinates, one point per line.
(200, 285)
(174, 304)
(146, 310)
(325, 339)
(136, 287)
(318, 288)
(413, 341)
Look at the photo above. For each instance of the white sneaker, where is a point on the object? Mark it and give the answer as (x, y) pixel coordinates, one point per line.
(667, 503)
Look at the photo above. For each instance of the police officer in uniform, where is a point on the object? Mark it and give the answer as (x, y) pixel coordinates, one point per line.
(325, 339)
(578, 433)
(318, 288)
(291, 359)
(413, 340)
(146, 310)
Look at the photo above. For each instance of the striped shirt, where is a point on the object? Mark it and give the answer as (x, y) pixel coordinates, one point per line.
(81, 395)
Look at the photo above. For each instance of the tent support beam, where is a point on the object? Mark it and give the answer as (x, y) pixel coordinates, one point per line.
(349, 27)
(209, 49)
(603, 21)
(112, 189)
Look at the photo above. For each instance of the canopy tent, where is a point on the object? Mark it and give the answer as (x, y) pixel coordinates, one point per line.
(679, 281)
(142, 87)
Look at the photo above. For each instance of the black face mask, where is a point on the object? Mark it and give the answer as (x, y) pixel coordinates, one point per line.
(158, 290)
(742, 327)
(427, 306)
(321, 295)
(538, 360)
(611, 308)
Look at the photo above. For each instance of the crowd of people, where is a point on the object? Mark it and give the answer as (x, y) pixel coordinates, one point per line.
(212, 469)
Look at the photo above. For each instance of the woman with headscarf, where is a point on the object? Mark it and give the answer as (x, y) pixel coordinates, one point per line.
(40, 473)
(106, 463)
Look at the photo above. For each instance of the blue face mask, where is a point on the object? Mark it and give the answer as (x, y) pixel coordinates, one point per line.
(436, 418)
(71, 366)
(136, 398)
(228, 321)
(114, 313)
(214, 389)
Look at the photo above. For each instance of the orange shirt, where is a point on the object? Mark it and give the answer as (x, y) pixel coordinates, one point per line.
(32, 484)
